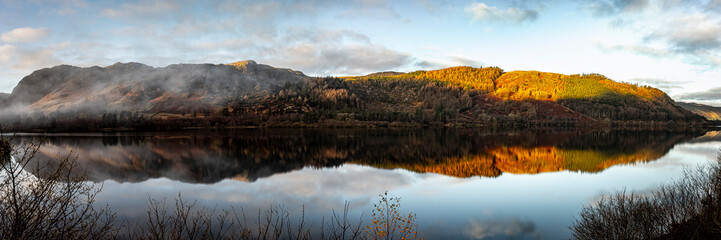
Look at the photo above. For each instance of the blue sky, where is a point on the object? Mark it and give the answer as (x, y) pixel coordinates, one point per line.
(674, 45)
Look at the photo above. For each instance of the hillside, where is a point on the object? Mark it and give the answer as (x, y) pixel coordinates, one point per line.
(136, 96)
(709, 112)
(138, 87)
(591, 95)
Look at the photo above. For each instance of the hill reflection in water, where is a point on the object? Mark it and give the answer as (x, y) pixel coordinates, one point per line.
(247, 155)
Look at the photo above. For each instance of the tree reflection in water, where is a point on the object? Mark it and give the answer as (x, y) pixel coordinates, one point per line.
(247, 155)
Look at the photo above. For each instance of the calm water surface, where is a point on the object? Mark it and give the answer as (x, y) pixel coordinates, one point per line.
(462, 184)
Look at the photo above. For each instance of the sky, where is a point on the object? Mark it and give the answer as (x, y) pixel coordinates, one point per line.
(673, 45)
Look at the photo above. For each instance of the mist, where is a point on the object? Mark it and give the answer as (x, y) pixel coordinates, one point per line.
(91, 92)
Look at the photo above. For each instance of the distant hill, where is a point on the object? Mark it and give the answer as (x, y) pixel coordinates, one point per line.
(137, 96)
(138, 87)
(709, 112)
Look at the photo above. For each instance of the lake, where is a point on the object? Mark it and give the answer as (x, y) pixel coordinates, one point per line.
(461, 183)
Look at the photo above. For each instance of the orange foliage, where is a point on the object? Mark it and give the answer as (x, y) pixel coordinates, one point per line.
(388, 223)
(481, 79)
(469, 77)
(462, 167)
(520, 85)
(519, 160)
(527, 160)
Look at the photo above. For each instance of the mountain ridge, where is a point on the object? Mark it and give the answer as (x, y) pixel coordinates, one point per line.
(138, 87)
(245, 93)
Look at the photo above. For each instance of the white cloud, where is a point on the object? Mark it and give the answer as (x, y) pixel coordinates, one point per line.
(41, 57)
(238, 30)
(691, 33)
(338, 58)
(482, 12)
(24, 34)
(18, 58)
(680, 29)
(7, 52)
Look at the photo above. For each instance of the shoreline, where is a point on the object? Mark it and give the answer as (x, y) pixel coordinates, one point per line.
(635, 126)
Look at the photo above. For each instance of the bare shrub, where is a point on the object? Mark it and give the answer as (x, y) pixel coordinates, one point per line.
(689, 208)
(187, 220)
(38, 202)
(341, 228)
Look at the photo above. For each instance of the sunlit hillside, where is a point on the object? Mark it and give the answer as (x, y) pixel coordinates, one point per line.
(587, 95)
(519, 85)
(482, 79)
(522, 85)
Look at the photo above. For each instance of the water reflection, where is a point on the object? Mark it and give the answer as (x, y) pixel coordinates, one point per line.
(500, 228)
(318, 170)
(247, 155)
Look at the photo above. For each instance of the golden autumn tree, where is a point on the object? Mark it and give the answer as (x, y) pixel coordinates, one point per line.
(388, 223)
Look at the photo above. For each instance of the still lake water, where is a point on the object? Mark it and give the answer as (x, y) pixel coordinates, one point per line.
(462, 184)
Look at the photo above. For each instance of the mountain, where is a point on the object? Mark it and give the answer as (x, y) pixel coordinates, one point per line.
(138, 87)
(709, 112)
(136, 96)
